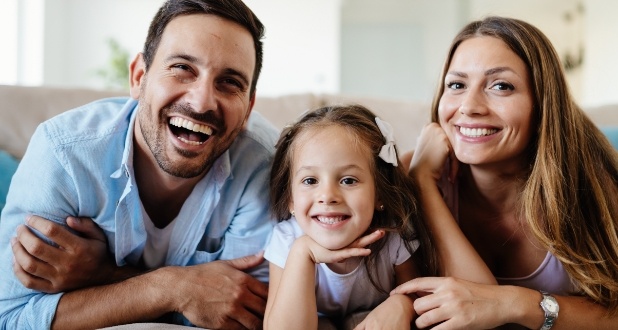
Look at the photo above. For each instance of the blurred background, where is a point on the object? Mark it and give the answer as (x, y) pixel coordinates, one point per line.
(391, 49)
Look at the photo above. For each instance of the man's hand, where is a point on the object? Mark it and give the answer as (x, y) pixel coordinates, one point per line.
(78, 261)
(218, 294)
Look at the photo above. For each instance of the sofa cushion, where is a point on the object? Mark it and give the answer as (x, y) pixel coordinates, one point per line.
(24, 108)
(612, 134)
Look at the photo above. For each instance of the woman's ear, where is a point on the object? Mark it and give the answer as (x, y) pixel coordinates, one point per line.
(137, 73)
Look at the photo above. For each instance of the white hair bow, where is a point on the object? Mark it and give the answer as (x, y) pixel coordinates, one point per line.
(387, 153)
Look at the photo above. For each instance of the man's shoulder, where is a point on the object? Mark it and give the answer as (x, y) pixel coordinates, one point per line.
(260, 131)
(90, 121)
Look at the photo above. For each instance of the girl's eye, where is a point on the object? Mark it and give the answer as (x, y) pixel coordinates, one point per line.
(455, 85)
(183, 73)
(309, 181)
(349, 181)
(502, 86)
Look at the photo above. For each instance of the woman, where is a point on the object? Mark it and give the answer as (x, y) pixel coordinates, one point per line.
(519, 188)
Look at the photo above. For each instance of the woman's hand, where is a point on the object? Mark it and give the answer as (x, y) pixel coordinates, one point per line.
(451, 303)
(432, 150)
(320, 254)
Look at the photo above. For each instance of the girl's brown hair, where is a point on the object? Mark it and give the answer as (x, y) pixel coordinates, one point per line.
(394, 188)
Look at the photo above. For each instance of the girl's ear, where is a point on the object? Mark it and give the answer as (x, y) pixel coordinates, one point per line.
(379, 206)
(291, 208)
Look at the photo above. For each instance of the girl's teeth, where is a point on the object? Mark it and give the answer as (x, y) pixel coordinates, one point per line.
(329, 220)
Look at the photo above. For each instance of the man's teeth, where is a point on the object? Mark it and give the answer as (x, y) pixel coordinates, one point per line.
(329, 220)
(181, 122)
(193, 143)
(477, 132)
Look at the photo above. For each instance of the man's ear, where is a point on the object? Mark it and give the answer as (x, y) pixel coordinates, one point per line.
(137, 73)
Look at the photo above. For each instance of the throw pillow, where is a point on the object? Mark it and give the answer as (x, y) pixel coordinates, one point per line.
(612, 134)
(8, 165)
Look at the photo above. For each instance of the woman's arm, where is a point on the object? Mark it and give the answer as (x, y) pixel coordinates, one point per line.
(457, 256)
(462, 304)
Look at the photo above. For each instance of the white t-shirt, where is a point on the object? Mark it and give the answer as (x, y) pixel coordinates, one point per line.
(157, 243)
(342, 294)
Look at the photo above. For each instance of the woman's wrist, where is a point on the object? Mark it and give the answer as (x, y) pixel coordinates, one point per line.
(523, 307)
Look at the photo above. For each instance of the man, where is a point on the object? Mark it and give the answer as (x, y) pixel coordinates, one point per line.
(175, 176)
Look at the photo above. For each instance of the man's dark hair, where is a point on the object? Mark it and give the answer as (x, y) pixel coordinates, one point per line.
(233, 10)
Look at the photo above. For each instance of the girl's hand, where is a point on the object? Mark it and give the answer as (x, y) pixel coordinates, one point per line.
(432, 150)
(319, 254)
(396, 312)
(451, 303)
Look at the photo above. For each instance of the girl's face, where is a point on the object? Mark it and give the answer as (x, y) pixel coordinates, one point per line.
(333, 190)
(486, 107)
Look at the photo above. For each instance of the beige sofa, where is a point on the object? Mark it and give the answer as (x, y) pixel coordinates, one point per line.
(23, 108)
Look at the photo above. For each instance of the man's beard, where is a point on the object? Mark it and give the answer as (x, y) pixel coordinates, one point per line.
(154, 134)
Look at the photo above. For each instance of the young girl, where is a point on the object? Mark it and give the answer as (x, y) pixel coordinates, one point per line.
(355, 222)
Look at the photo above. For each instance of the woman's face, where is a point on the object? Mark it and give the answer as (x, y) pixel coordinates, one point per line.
(486, 106)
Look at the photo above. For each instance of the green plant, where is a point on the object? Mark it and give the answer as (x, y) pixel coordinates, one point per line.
(116, 73)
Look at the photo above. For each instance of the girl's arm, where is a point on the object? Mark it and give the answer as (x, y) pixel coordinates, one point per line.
(397, 311)
(457, 256)
(291, 298)
(291, 294)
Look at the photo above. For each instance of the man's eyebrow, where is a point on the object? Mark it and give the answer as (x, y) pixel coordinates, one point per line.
(181, 56)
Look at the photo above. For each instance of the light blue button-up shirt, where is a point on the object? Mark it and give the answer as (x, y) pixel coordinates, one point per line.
(80, 163)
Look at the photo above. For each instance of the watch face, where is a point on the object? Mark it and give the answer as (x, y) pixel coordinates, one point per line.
(551, 305)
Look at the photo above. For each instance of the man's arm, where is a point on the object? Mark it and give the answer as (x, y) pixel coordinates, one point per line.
(208, 295)
(79, 259)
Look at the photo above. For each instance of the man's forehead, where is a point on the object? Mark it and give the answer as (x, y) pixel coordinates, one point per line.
(207, 36)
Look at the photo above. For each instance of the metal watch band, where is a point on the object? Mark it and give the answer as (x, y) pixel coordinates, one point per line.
(550, 308)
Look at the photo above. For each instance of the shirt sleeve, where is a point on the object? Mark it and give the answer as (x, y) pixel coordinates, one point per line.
(399, 253)
(280, 244)
(40, 186)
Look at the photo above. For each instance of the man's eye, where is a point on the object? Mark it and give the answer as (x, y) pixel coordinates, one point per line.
(349, 181)
(309, 181)
(183, 73)
(231, 85)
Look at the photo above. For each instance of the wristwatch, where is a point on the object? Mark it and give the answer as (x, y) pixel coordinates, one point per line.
(551, 309)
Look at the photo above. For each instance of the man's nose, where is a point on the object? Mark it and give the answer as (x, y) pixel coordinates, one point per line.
(202, 95)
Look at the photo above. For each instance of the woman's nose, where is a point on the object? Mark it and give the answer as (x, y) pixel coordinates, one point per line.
(473, 103)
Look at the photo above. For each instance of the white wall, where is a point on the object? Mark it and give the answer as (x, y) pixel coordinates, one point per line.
(301, 47)
(304, 38)
(76, 32)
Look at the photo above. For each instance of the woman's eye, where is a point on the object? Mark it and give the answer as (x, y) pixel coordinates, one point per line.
(455, 85)
(502, 86)
(309, 181)
(349, 181)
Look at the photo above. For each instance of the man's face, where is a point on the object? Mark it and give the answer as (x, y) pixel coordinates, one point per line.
(194, 99)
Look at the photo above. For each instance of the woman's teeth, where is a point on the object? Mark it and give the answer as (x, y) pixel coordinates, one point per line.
(476, 132)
